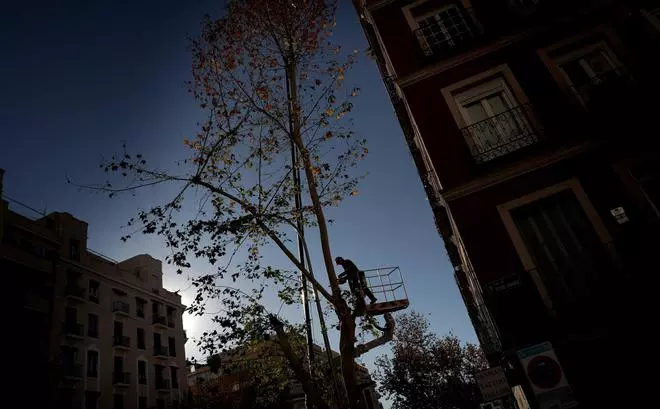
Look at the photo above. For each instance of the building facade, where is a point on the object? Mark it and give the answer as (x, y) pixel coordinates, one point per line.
(94, 333)
(531, 123)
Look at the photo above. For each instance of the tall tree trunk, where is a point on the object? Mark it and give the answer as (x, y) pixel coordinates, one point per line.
(347, 350)
(347, 333)
(303, 376)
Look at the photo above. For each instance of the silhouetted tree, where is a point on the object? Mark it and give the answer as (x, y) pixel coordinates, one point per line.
(425, 371)
(272, 85)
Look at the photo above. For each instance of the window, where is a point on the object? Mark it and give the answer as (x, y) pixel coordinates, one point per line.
(70, 315)
(94, 291)
(91, 399)
(158, 371)
(175, 404)
(170, 317)
(174, 377)
(172, 346)
(559, 238)
(117, 401)
(118, 329)
(140, 304)
(496, 124)
(142, 372)
(157, 343)
(92, 363)
(160, 403)
(93, 325)
(440, 30)
(140, 339)
(74, 249)
(590, 71)
(142, 402)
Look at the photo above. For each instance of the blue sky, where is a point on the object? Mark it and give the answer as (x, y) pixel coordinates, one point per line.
(79, 77)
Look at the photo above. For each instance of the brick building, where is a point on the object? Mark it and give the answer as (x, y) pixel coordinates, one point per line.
(87, 332)
(531, 123)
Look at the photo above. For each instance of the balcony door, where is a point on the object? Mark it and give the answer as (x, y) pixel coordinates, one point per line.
(70, 315)
(118, 329)
(119, 365)
(495, 123)
(562, 243)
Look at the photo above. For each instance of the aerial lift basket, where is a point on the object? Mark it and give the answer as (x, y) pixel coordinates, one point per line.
(387, 285)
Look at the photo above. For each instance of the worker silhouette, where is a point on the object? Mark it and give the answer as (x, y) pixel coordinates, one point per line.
(356, 280)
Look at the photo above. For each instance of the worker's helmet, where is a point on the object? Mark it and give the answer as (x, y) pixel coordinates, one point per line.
(338, 260)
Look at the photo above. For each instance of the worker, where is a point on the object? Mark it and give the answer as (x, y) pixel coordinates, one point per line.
(356, 279)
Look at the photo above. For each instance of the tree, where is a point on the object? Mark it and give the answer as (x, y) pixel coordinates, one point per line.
(274, 152)
(427, 371)
(257, 376)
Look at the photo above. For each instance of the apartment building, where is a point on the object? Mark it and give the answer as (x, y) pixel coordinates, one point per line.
(531, 123)
(95, 333)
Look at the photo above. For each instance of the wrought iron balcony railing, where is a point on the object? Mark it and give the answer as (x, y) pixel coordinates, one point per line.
(123, 378)
(73, 328)
(160, 350)
(390, 86)
(451, 30)
(159, 320)
(162, 384)
(121, 341)
(72, 371)
(602, 89)
(74, 290)
(502, 134)
(121, 306)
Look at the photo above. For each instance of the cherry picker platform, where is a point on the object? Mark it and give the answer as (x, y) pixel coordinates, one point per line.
(387, 285)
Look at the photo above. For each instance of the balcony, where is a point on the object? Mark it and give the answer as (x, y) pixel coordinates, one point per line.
(121, 342)
(73, 330)
(160, 351)
(449, 32)
(121, 308)
(501, 134)
(74, 292)
(604, 91)
(121, 378)
(501, 17)
(72, 371)
(163, 385)
(159, 320)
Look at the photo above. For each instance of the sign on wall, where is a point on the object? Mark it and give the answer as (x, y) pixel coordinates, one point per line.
(546, 377)
(492, 383)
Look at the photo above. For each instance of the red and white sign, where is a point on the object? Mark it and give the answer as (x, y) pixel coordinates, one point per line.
(492, 383)
(546, 376)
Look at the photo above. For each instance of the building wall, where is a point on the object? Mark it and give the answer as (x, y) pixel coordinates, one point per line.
(602, 150)
(54, 247)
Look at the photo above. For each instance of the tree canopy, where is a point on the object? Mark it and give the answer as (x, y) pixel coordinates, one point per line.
(275, 150)
(427, 371)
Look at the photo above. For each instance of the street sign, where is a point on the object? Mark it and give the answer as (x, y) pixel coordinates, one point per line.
(492, 383)
(546, 377)
(504, 284)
